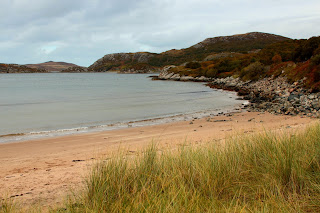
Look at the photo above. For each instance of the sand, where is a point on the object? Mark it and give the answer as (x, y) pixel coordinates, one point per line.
(44, 171)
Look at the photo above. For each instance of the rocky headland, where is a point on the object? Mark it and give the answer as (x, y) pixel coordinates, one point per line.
(274, 95)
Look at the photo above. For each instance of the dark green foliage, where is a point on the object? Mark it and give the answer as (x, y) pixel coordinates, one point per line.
(106, 67)
(193, 65)
(227, 65)
(315, 60)
(284, 49)
(305, 51)
(211, 73)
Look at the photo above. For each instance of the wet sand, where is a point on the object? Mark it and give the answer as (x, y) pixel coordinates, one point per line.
(44, 171)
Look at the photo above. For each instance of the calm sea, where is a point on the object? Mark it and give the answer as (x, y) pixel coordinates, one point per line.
(58, 103)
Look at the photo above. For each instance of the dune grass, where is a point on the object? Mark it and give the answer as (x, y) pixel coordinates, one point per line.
(261, 173)
(7, 206)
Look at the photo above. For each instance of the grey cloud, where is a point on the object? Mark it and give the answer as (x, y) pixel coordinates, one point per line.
(82, 31)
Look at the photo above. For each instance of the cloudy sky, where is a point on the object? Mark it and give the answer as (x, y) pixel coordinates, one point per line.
(82, 31)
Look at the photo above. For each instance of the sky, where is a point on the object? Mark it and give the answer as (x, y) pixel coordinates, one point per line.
(82, 31)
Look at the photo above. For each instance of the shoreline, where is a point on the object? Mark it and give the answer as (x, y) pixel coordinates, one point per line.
(21, 137)
(43, 171)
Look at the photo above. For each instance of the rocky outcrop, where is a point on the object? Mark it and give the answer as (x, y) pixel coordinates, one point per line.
(76, 69)
(166, 74)
(276, 96)
(132, 70)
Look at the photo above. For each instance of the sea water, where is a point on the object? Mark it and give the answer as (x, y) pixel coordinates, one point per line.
(42, 104)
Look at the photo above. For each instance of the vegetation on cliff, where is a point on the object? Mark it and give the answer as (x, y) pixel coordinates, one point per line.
(250, 56)
(124, 62)
(293, 59)
(236, 43)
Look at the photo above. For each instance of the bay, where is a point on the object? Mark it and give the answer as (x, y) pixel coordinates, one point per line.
(58, 102)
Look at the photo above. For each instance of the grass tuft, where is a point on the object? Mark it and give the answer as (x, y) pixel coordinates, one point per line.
(261, 173)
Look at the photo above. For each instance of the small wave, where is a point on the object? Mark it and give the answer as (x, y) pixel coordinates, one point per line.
(18, 137)
(203, 91)
(59, 130)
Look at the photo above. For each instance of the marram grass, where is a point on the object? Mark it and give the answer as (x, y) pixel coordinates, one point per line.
(261, 173)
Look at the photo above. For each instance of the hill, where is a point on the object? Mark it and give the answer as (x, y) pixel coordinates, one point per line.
(242, 43)
(52, 66)
(15, 68)
(125, 62)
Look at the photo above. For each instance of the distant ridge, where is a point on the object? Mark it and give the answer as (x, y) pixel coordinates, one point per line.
(260, 36)
(52, 66)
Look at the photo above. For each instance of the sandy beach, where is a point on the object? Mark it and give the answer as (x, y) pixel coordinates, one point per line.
(44, 171)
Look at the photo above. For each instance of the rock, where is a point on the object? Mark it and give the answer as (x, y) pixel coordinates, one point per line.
(316, 105)
(186, 78)
(203, 79)
(77, 160)
(175, 77)
(293, 97)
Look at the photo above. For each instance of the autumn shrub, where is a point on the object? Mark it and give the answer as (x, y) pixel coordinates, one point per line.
(211, 72)
(279, 69)
(254, 71)
(276, 59)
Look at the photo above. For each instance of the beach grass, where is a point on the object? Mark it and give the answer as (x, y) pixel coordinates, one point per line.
(7, 206)
(268, 172)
